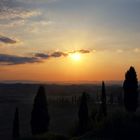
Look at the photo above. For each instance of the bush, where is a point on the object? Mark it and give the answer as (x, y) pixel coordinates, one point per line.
(119, 125)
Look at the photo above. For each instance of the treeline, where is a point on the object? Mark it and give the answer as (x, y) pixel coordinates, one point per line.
(40, 118)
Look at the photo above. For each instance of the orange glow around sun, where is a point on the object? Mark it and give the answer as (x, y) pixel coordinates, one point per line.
(75, 56)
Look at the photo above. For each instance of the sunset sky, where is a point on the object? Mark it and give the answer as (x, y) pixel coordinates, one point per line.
(69, 40)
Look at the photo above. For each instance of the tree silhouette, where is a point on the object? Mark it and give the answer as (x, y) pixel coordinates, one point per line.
(130, 87)
(16, 133)
(40, 117)
(83, 113)
(103, 100)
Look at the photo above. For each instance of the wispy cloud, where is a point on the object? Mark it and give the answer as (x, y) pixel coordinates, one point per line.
(14, 11)
(7, 40)
(13, 23)
(22, 18)
(81, 51)
(17, 14)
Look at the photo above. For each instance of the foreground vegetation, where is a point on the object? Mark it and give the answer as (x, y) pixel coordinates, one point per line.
(119, 125)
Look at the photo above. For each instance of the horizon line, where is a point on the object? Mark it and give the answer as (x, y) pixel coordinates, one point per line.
(60, 82)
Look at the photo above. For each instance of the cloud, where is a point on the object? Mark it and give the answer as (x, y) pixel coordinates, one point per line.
(11, 24)
(6, 59)
(82, 51)
(7, 40)
(13, 9)
(17, 14)
(58, 54)
(42, 55)
(37, 27)
(23, 16)
(38, 1)
(51, 55)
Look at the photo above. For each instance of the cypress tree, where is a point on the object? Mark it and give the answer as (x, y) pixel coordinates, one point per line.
(83, 113)
(16, 133)
(130, 87)
(103, 100)
(40, 117)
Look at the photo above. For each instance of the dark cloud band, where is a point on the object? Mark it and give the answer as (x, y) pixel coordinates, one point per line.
(84, 51)
(58, 54)
(7, 40)
(54, 54)
(6, 59)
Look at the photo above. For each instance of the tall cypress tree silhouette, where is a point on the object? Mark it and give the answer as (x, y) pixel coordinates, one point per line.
(83, 113)
(16, 133)
(40, 117)
(130, 87)
(103, 100)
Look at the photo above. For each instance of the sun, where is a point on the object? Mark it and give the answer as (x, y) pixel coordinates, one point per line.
(75, 56)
